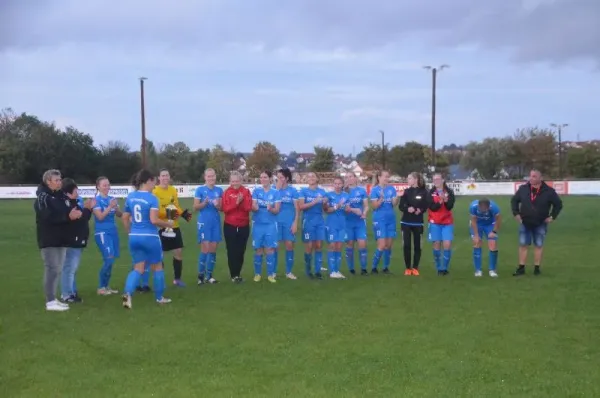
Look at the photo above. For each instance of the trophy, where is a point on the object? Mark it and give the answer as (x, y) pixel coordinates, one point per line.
(171, 214)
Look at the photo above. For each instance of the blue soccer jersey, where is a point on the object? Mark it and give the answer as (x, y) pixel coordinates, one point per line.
(313, 223)
(336, 221)
(356, 198)
(287, 211)
(384, 213)
(210, 213)
(265, 199)
(484, 218)
(108, 222)
(139, 204)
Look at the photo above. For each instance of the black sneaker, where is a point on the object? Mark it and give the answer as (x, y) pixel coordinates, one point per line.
(386, 271)
(237, 279)
(520, 271)
(374, 271)
(537, 271)
(146, 289)
(76, 298)
(364, 272)
(353, 272)
(139, 289)
(445, 272)
(201, 280)
(318, 276)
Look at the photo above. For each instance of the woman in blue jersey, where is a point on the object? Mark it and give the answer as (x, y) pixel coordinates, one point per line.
(337, 203)
(207, 202)
(142, 223)
(265, 205)
(312, 201)
(384, 199)
(106, 234)
(356, 224)
(287, 219)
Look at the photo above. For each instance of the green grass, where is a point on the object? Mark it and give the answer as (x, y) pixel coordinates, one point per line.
(381, 336)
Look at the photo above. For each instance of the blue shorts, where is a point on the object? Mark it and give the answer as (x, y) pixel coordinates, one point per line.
(356, 231)
(209, 232)
(535, 235)
(440, 233)
(313, 233)
(284, 232)
(384, 230)
(145, 248)
(484, 231)
(108, 244)
(336, 235)
(264, 236)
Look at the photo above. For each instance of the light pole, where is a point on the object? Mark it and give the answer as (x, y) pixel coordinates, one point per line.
(382, 149)
(434, 71)
(559, 128)
(143, 115)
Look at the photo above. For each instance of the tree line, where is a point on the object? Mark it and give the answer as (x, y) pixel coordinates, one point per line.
(29, 146)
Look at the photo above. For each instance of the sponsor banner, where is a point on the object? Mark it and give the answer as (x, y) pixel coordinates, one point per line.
(561, 187)
(17, 192)
(584, 188)
(487, 188)
(89, 191)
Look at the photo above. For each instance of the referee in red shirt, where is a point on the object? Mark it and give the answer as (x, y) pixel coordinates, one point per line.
(237, 203)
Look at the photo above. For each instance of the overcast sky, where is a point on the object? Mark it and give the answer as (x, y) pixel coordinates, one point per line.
(302, 72)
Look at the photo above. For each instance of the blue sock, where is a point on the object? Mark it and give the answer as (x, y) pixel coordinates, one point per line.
(275, 261)
(362, 256)
(289, 261)
(270, 264)
(108, 274)
(159, 284)
(447, 257)
(387, 258)
(202, 263)
(477, 258)
(103, 277)
(145, 279)
(318, 261)
(437, 258)
(350, 258)
(493, 260)
(331, 260)
(257, 263)
(307, 262)
(338, 261)
(132, 281)
(376, 258)
(210, 264)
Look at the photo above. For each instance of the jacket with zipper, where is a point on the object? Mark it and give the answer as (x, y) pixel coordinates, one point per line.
(418, 198)
(78, 231)
(237, 215)
(536, 205)
(440, 212)
(51, 217)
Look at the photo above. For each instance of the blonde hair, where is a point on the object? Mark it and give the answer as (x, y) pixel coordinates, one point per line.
(235, 173)
(49, 174)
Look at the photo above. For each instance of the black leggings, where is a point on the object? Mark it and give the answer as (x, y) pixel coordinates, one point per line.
(236, 239)
(411, 236)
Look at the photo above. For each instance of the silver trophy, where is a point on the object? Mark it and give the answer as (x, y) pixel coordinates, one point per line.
(171, 214)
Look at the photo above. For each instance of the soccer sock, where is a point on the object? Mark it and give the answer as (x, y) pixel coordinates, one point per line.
(350, 258)
(376, 258)
(275, 261)
(132, 281)
(289, 261)
(437, 254)
(177, 268)
(387, 258)
(493, 259)
(257, 263)
(270, 264)
(210, 264)
(362, 256)
(338, 261)
(447, 257)
(159, 284)
(318, 261)
(331, 260)
(202, 263)
(307, 262)
(145, 279)
(102, 275)
(108, 274)
(477, 258)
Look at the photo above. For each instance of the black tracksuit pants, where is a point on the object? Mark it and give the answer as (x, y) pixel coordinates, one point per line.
(236, 239)
(411, 239)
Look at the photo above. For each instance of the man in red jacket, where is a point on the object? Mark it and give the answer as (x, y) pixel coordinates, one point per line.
(237, 203)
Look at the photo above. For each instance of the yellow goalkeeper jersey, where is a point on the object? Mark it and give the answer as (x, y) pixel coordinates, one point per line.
(166, 196)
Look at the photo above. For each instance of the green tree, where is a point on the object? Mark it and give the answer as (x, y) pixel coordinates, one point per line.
(265, 156)
(324, 159)
(221, 161)
(404, 159)
(118, 162)
(175, 158)
(584, 162)
(487, 157)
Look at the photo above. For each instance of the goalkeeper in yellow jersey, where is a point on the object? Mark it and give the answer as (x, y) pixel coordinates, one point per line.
(169, 208)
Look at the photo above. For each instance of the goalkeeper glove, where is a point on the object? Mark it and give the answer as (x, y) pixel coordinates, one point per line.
(187, 216)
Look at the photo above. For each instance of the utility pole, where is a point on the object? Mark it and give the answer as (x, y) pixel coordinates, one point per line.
(559, 128)
(382, 149)
(143, 115)
(434, 71)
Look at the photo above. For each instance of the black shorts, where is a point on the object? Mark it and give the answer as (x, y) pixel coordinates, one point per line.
(169, 244)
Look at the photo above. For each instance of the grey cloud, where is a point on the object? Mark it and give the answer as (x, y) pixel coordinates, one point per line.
(534, 30)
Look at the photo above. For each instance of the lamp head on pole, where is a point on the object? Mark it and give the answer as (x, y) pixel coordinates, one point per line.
(143, 78)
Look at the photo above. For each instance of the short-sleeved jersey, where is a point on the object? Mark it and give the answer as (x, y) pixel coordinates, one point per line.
(385, 212)
(337, 219)
(209, 214)
(265, 198)
(484, 218)
(356, 198)
(108, 222)
(139, 204)
(165, 198)
(287, 212)
(309, 195)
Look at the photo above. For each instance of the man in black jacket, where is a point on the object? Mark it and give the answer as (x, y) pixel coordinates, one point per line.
(77, 233)
(534, 205)
(53, 214)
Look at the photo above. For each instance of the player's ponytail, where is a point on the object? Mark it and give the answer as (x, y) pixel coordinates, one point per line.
(141, 177)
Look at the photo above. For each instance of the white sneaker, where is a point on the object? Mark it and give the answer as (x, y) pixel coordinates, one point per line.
(291, 276)
(57, 306)
(336, 275)
(323, 269)
(478, 274)
(163, 300)
(127, 301)
(493, 274)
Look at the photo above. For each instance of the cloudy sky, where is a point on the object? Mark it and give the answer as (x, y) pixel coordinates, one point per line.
(302, 72)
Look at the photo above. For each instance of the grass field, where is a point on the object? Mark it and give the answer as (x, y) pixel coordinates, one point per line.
(376, 336)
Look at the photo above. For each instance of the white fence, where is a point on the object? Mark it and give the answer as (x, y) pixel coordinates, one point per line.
(462, 188)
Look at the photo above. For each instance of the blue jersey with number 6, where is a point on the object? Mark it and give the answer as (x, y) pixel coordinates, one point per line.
(139, 204)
